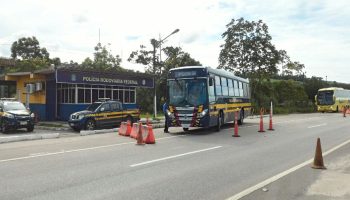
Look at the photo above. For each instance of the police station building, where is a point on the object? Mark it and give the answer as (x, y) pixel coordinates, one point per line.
(56, 93)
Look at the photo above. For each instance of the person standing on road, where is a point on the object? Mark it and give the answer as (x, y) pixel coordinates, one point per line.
(165, 111)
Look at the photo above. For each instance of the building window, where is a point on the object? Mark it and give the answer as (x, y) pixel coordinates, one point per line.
(72, 93)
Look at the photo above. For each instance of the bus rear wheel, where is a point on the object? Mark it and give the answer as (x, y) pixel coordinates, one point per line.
(241, 117)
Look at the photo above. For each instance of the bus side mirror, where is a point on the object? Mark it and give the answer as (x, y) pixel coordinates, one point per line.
(210, 82)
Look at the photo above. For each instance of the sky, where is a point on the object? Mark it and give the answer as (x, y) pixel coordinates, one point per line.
(315, 33)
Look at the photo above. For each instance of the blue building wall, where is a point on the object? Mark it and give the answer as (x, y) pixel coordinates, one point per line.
(39, 110)
(65, 110)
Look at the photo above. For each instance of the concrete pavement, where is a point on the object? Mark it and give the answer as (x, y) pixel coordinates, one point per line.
(307, 183)
(312, 184)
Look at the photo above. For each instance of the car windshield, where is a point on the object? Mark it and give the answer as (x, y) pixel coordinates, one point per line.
(325, 98)
(187, 92)
(13, 106)
(93, 106)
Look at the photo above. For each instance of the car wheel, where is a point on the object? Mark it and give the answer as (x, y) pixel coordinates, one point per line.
(30, 128)
(90, 125)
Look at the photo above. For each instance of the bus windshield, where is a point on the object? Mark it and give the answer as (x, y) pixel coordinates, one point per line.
(187, 92)
(325, 98)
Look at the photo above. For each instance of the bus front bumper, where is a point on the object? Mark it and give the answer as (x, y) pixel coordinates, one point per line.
(326, 108)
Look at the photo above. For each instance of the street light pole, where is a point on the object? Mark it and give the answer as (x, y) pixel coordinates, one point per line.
(157, 44)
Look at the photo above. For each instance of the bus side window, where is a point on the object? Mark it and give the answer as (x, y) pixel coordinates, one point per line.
(218, 86)
(240, 89)
(211, 91)
(230, 88)
(235, 86)
(224, 86)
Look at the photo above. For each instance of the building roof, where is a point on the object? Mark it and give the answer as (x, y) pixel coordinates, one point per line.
(77, 69)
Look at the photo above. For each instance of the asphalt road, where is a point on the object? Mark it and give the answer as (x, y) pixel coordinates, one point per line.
(201, 164)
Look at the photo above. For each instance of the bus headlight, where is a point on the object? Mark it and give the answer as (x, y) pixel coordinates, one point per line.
(203, 113)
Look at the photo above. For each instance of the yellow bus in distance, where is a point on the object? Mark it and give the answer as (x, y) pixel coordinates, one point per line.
(332, 99)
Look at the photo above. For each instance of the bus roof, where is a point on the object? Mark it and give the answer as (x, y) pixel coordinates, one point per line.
(330, 88)
(219, 72)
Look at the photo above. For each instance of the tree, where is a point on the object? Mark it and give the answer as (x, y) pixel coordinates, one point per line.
(173, 57)
(103, 60)
(28, 48)
(248, 49)
(30, 56)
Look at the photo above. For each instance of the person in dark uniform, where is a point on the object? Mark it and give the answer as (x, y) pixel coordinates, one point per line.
(165, 108)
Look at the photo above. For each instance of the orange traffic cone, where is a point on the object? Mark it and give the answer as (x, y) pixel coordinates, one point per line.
(128, 128)
(122, 128)
(261, 129)
(150, 139)
(134, 130)
(139, 138)
(236, 126)
(318, 160)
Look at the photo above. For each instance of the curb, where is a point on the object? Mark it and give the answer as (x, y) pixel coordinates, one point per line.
(52, 128)
(93, 132)
(18, 138)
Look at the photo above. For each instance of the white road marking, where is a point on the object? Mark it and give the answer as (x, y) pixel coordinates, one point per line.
(324, 124)
(174, 156)
(280, 175)
(35, 155)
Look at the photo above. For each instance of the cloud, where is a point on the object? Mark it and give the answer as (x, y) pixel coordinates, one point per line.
(315, 33)
(81, 18)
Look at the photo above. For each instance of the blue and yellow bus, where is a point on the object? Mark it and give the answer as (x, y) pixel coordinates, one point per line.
(205, 97)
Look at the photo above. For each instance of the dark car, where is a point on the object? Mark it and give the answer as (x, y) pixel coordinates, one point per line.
(14, 115)
(102, 113)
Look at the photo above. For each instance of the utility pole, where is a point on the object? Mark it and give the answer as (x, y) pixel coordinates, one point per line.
(157, 43)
